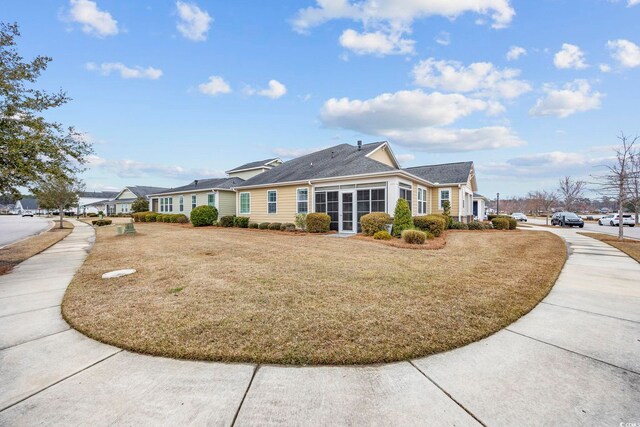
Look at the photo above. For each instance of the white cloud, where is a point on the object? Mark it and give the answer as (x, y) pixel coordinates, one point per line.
(125, 72)
(633, 3)
(411, 118)
(548, 164)
(605, 68)
(127, 168)
(481, 78)
(214, 86)
(93, 20)
(444, 38)
(515, 52)
(625, 52)
(570, 56)
(274, 91)
(376, 43)
(572, 98)
(403, 158)
(194, 22)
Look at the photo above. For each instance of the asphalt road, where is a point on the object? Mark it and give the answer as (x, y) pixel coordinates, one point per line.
(15, 227)
(633, 232)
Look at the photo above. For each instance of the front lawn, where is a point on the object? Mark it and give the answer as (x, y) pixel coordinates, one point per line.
(271, 297)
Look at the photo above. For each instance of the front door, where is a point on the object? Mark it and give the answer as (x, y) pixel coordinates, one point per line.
(154, 205)
(347, 213)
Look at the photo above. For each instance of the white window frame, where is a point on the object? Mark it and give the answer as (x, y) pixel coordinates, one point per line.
(181, 203)
(214, 200)
(422, 201)
(440, 199)
(240, 203)
(301, 201)
(194, 201)
(276, 202)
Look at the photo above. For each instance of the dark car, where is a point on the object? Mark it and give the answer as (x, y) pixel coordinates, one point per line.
(568, 219)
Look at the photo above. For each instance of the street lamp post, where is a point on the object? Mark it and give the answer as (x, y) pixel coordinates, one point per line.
(498, 204)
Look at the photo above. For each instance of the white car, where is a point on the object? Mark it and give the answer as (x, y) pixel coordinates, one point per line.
(27, 213)
(627, 219)
(605, 220)
(519, 216)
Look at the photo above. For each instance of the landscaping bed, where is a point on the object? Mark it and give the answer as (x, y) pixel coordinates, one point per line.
(238, 295)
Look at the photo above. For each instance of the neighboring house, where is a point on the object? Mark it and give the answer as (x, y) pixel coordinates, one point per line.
(28, 203)
(121, 204)
(217, 192)
(249, 170)
(93, 201)
(480, 206)
(347, 181)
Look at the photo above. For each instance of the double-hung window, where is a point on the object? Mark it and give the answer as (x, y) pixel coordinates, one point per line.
(194, 201)
(161, 204)
(272, 201)
(445, 195)
(181, 200)
(166, 204)
(302, 199)
(405, 193)
(422, 201)
(211, 199)
(245, 203)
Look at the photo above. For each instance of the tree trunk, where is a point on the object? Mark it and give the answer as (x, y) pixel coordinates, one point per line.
(620, 218)
(61, 217)
(546, 217)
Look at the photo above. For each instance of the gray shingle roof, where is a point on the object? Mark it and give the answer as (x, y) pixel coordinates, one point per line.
(98, 194)
(29, 203)
(205, 184)
(447, 173)
(251, 165)
(142, 191)
(340, 160)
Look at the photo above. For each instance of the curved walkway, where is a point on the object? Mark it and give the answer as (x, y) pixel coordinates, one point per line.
(575, 359)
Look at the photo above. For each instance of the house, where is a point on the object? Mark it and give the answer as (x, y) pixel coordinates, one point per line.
(347, 182)
(93, 201)
(480, 206)
(121, 204)
(217, 192)
(27, 203)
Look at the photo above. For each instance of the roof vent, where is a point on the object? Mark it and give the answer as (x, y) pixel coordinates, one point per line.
(195, 183)
(332, 153)
(359, 145)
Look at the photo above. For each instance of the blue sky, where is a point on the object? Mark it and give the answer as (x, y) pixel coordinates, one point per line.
(172, 91)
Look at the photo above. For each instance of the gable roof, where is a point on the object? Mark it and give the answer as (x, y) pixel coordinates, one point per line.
(98, 194)
(204, 184)
(254, 165)
(143, 191)
(447, 173)
(340, 160)
(29, 203)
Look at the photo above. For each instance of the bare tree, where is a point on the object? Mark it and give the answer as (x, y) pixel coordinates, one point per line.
(544, 200)
(571, 191)
(616, 181)
(633, 183)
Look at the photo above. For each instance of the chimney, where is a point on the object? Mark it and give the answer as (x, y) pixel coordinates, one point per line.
(195, 183)
(359, 145)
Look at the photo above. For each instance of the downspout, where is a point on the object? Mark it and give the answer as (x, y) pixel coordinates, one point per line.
(312, 196)
(459, 203)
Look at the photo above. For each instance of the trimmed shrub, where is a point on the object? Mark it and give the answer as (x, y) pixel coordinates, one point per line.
(414, 237)
(429, 235)
(288, 226)
(382, 235)
(374, 222)
(513, 223)
(101, 222)
(203, 215)
(92, 215)
(150, 217)
(500, 223)
(476, 225)
(457, 225)
(402, 218)
(241, 222)
(141, 204)
(434, 224)
(275, 226)
(446, 207)
(318, 222)
(182, 219)
(264, 225)
(227, 221)
(253, 225)
(301, 221)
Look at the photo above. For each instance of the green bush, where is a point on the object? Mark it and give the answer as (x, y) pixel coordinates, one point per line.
(318, 223)
(414, 237)
(275, 226)
(446, 207)
(150, 217)
(167, 218)
(288, 226)
(141, 204)
(374, 222)
(227, 221)
(264, 225)
(500, 223)
(253, 225)
(402, 218)
(241, 222)
(301, 221)
(434, 224)
(181, 219)
(382, 235)
(476, 225)
(429, 235)
(92, 215)
(140, 216)
(457, 225)
(513, 223)
(204, 215)
(101, 222)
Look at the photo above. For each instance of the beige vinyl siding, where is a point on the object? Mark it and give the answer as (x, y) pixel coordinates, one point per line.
(127, 195)
(286, 207)
(435, 199)
(382, 156)
(226, 203)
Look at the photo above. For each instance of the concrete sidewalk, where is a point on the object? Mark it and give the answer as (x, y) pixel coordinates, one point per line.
(575, 359)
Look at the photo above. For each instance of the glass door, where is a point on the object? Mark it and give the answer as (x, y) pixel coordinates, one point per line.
(346, 212)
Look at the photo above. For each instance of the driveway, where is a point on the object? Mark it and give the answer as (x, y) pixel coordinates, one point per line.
(572, 360)
(15, 227)
(632, 232)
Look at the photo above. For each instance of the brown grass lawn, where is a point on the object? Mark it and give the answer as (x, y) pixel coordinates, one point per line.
(628, 246)
(12, 255)
(274, 297)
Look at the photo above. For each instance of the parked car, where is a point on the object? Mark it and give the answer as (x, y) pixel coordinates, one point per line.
(519, 216)
(627, 219)
(605, 220)
(568, 219)
(27, 213)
